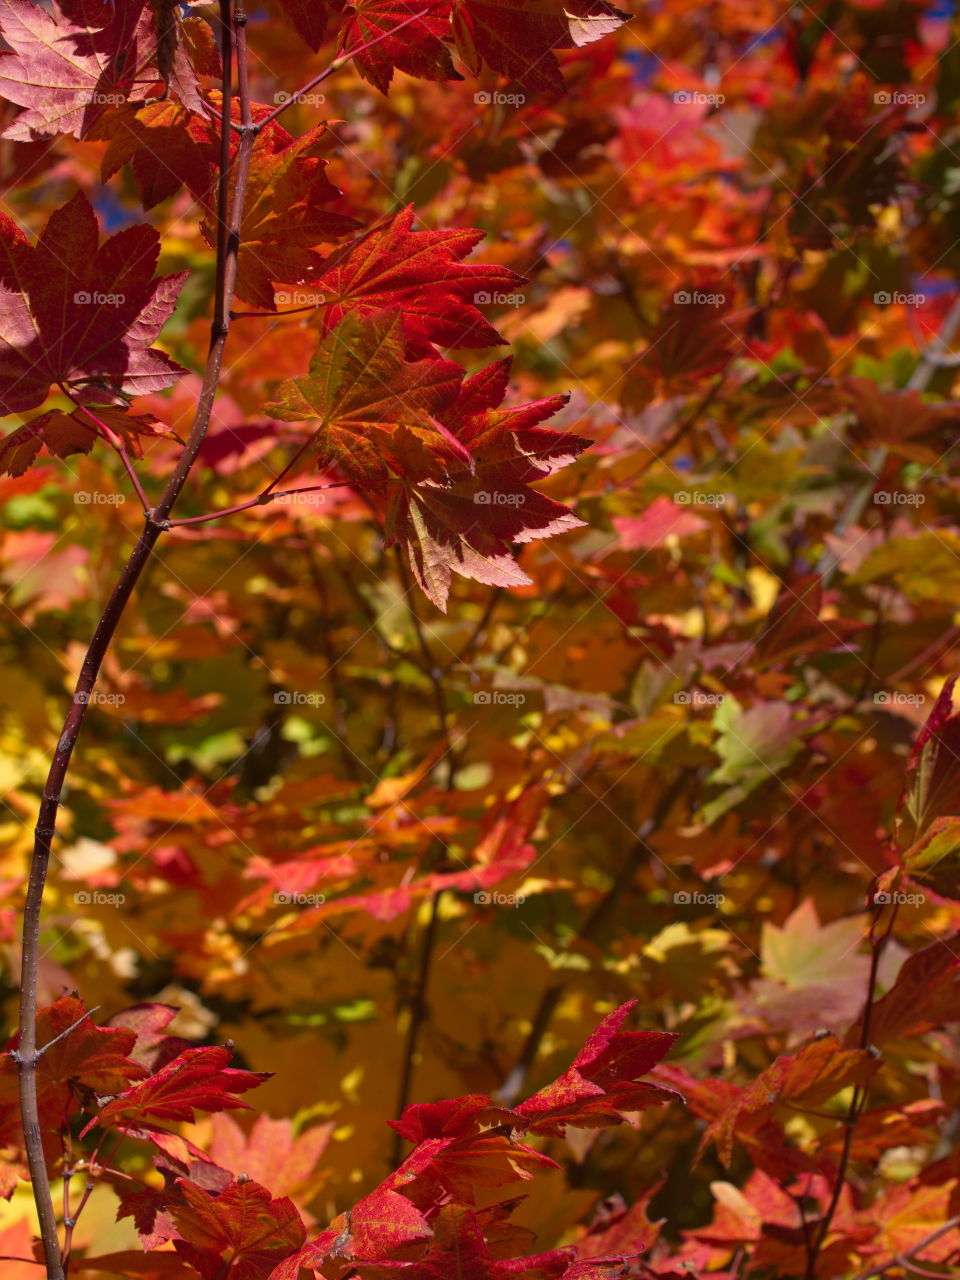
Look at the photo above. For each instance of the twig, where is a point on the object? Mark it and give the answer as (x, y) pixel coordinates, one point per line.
(261, 500)
(228, 240)
(877, 457)
(342, 61)
(856, 1102)
(512, 1087)
(904, 1259)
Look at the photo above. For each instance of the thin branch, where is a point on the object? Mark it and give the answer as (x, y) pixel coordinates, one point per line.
(342, 61)
(418, 1009)
(904, 1259)
(261, 500)
(15, 1053)
(115, 443)
(857, 1102)
(593, 923)
(228, 241)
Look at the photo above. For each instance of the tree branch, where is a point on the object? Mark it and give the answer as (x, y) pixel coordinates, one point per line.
(232, 189)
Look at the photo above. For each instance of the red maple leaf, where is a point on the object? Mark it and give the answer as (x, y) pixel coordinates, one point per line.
(242, 1229)
(196, 1080)
(74, 59)
(603, 1079)
(421, 272)
(516, 37)
(418, 48)
(75, 312)
(89, 1059)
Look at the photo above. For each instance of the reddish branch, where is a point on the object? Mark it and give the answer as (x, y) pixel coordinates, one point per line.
(234, 173)
(857, 1102)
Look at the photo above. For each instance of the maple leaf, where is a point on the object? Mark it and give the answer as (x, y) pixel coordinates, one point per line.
(455, 469)
(309, 18)
(282, 219)
(74, 59)
(89, 1059)
(270, 1154)
(418, 49)
(809, 1078)
(75, 312)
(602, 1081)
(241, 1227)
(197, 1079)
(166, 145)
(421, 272)
(516, 37)
(63, 434)
(466, 522)
(374, 410)
(926, 994)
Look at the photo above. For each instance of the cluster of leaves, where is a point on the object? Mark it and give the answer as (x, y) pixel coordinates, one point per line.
(656, 760)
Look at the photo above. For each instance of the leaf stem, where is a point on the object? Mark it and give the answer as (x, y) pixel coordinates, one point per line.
(341, 61)
(261, 500)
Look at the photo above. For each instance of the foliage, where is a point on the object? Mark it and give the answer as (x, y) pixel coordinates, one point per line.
(552, 757)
